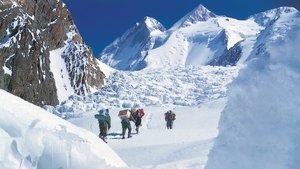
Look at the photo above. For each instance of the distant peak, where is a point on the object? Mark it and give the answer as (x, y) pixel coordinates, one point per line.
(146, 18)
(153, 24)
(149, 21)
(198, 14)
(264, 18)
(282, 10)
(201, 7)
(286, 9)
(202, 12)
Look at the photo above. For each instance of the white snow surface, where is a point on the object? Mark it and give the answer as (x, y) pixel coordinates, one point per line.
(61, 75)
(155, 147)
(259, 128)
(182, 86)
(201, 42)
(31, 138)
(196, 93)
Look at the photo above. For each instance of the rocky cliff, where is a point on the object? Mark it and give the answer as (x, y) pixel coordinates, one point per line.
(43, 58)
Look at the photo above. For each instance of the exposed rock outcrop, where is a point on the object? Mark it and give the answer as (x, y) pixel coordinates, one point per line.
(30, 31)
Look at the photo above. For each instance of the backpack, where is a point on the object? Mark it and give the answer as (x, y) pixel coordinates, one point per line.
(140, 113)
(170, 115)
(124, 114)
(102, 117)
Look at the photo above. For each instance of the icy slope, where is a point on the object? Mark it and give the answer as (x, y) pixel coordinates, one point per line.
(184, 86)
(259, 126)
(33, 138)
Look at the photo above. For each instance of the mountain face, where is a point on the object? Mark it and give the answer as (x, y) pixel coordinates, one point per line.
(204, 38)
(280, 25)
(129, 51)
(200, 13)
(43, 57)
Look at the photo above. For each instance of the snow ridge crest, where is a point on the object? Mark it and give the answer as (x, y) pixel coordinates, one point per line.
(199, 14)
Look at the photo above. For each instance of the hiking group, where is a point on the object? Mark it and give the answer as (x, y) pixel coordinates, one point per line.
(134, 115)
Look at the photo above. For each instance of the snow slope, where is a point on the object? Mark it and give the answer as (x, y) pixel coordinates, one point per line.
(128, 52)
(203, 42)
(196, 93)
(259, 127)
(32, 138)
(186, 146)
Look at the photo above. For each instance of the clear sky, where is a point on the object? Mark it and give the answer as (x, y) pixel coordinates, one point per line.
(102, 21)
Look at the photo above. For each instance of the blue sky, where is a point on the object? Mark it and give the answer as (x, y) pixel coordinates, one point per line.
(101, 21)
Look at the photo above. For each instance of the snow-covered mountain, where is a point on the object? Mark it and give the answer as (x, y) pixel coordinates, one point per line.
(200, 13)
(129, 52)
(280, 25)
(43, 57)
(32, 138)
(204, 38)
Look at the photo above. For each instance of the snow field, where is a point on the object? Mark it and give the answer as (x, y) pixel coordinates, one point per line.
(187, 145)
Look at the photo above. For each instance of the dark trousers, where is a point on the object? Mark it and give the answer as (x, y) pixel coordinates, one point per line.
(169, 124)
(103, 129)
(126, 125)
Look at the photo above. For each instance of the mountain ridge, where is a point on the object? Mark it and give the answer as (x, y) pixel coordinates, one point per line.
(196, 39)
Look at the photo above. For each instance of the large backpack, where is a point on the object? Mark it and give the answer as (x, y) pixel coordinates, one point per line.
(124, 114)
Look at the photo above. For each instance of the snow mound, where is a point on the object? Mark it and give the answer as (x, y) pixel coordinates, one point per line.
(184, 86)
(259, 127)
(30, 138)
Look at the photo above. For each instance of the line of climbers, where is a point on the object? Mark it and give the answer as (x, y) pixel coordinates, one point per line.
(134, 115)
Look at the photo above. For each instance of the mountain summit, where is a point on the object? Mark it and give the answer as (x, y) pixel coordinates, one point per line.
(200, 13)
(269, 16)
(129, 51)
(152, 24)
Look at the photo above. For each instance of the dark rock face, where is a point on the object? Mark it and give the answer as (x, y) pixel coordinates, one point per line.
(29, 30)
(229, 57)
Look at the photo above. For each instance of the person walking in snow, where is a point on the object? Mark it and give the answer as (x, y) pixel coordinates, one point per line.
(104, 122)
(170, 116)
(126, 125)
(138, 119)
